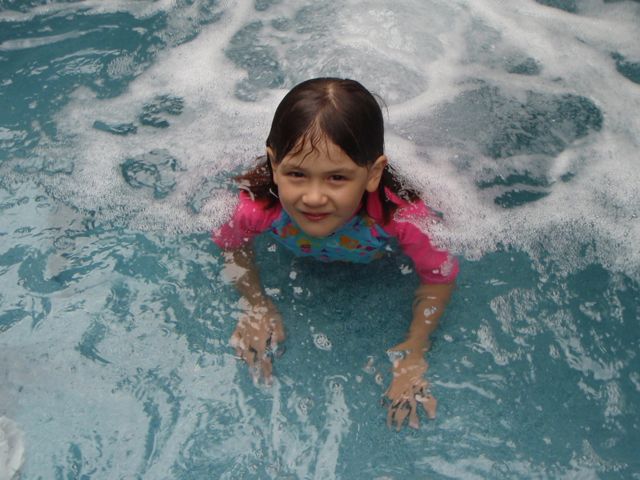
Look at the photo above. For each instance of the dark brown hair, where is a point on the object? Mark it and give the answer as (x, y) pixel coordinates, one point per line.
(342, 111)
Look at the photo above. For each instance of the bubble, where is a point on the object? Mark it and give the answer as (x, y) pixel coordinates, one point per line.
(336, 387)
(321, 341)
(395, 355)
(115, 129)
(152, 113)
(304, 406)
(405, 269)
(430, 311)
(154, 170)
(370, 367)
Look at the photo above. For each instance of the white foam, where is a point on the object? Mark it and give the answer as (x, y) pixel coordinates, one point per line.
(24, 43)
(418, 56)
(601, 201)
(139, 8)
(11, 449)
(198, 138)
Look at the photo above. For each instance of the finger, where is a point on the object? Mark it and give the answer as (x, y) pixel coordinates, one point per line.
(390, 412)
(430, 404)
(280, 350)
(401, 414)
(398, 396)
(236, 340)
(250, 357)
(245, 355)
(413, 414)
(260, 353)
(255, 374)
(254, 362)
(275, 350)
(261, 343)
(262, 338)
(278, 332)
(272, 342)
(420, 390)
(386, 395)
(267, 369)
(266, 364)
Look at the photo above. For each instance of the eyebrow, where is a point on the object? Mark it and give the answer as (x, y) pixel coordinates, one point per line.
(337, 171)
(340, 171)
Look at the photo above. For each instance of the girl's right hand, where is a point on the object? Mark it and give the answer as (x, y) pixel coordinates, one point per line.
(256, 339)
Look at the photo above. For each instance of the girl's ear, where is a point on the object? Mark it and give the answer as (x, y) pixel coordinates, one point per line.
(271, 157)
(375, 173)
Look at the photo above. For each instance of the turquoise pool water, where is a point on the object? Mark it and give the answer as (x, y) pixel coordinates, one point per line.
(120, 126)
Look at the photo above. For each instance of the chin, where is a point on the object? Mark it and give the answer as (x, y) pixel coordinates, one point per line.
(317, 232)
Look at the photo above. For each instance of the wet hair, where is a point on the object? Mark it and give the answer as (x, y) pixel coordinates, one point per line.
(340, 110)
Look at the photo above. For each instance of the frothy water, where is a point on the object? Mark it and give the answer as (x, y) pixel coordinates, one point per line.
(122, 125)
(11, 449)
(502, 114)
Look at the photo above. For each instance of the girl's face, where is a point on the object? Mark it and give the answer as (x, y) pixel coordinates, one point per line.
(321, 189)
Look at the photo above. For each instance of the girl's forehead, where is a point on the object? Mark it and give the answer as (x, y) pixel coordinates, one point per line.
(320, 149)
(318, 160)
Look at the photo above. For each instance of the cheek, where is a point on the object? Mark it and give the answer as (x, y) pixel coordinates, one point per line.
(350, 200)
(286, 194)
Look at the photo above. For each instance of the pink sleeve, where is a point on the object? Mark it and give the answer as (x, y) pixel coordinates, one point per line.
(250, 218)
(432, 265)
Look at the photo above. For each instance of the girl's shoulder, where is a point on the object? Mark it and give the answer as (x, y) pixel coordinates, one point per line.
(405, 209)
(247, 198)
(251, 217)
(255, 211)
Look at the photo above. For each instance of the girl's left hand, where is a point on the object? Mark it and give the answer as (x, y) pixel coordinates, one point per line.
(256, 339)
(408, 391)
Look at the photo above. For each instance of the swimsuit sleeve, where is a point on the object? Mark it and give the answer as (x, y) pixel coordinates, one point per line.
(432, 264)
(249, 219)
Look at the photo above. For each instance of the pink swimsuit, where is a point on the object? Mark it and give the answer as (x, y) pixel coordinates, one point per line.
(362, 239)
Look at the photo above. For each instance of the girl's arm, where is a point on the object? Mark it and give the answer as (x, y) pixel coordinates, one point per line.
(409, 387)
(428, 306)
(259, 328)
(246, 277)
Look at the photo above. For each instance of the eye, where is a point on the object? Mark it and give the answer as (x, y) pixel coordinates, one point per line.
(338, 178)
(295, 174)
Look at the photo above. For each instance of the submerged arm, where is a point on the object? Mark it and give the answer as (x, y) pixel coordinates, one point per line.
(259, 329)
(245, 275)
(428, 306)
(408, 387)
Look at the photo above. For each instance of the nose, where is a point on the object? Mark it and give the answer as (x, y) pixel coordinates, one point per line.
(314, 196)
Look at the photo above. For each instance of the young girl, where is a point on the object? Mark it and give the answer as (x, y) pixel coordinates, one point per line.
(325, 190)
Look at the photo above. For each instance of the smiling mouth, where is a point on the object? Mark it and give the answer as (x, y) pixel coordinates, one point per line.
(315, 217)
